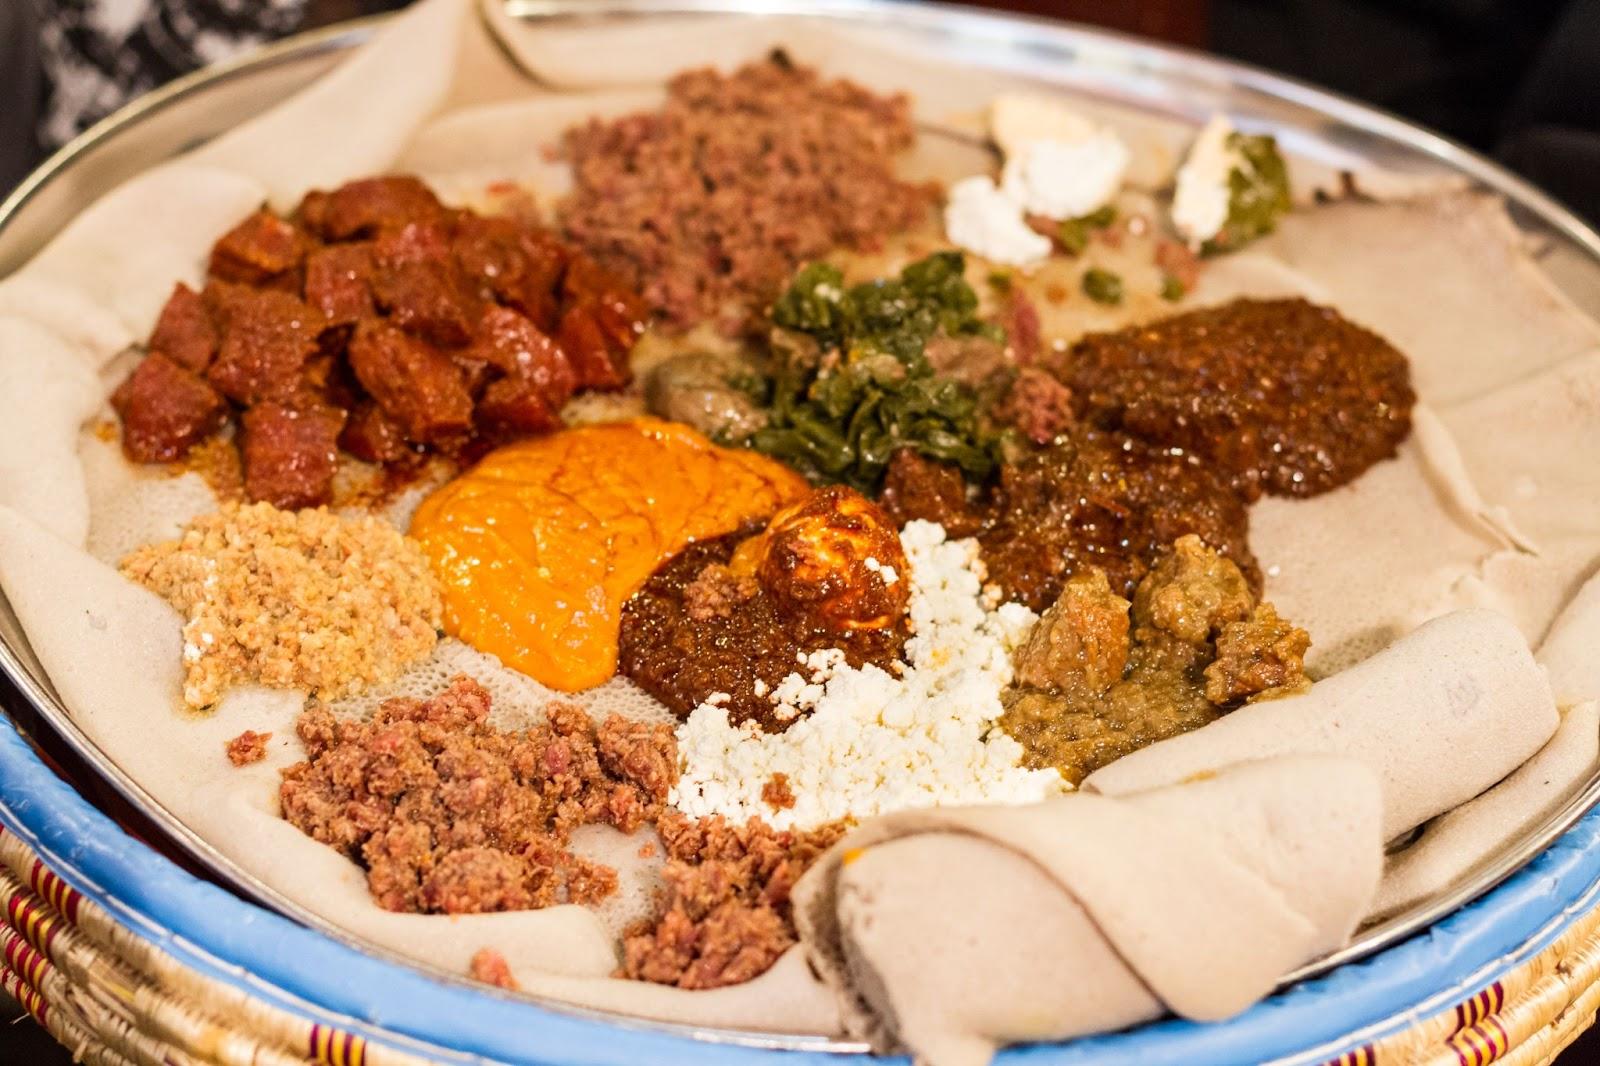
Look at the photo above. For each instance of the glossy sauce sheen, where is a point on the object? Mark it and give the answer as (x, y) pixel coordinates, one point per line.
(539, 545)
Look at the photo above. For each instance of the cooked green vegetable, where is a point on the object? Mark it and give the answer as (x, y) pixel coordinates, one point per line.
(1102, 286)
(1258, 192)
(852, 384)
(1073, 233)
(1172, 289)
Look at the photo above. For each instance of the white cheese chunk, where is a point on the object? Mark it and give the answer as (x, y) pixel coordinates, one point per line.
(1200, 201)
(865, 741)
(982, 219)
(1066, 179)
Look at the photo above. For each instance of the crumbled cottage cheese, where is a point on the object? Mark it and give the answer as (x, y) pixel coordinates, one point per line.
(981, 218)
(870, 741)
(1058, 165)
(1066, 179)
(1200, 201)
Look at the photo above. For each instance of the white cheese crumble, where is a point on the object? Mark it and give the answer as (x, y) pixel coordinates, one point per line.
(1058, 164)
(982, 219)
(1066, 179)
(1200, 201)
(870, 741)
(886, 573)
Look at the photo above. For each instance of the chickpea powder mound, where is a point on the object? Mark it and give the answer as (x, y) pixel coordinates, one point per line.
(292, 599)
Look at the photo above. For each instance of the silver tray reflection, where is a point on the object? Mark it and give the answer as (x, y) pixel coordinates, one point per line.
(1094, 63)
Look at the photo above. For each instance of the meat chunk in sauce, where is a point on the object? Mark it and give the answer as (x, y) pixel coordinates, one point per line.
(916, 487)
(338, 283)
(509, 341)
(416, 282)
(269, 339)
(430, 330)
(165, 409)
(370, 207)
(371, 435)
(1091, 689)
(413, 382)
(1081, 641)
(185, 333)
(262, 250)
(1192, 592)
(1259, 654)
(290, 454)
(512, 265)
(1282, 395)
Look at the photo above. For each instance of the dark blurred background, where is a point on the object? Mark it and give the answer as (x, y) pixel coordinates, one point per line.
(1518, 80)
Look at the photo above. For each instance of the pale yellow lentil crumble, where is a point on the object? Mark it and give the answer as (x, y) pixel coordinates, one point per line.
(292, 599)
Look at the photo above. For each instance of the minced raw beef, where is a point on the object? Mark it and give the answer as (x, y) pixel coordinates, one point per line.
(248, 747)
(449, 814)
(725, 915)
(708, 205)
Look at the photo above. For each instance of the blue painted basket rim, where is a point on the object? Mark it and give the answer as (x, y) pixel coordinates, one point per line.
(251, 948)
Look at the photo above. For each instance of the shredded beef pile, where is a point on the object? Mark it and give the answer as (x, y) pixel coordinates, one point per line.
(378, 321)
(708, 205)
(725, 916)
(449, 814)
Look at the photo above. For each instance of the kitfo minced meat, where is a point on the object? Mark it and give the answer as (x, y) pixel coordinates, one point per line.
(292, 599)
(725, 915)
(451, 815)
(708, 205)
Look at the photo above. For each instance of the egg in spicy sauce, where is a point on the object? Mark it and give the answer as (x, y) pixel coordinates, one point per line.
(539, 545)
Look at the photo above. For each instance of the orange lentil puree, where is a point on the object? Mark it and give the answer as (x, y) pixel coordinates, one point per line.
(539, 545)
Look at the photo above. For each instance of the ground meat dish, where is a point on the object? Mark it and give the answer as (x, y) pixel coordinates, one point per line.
(708, 205)
(725, 915)
(451, 815)
(378, 321)
(1100, 677)
(1282, 395)
(729, 618)
(248, 747)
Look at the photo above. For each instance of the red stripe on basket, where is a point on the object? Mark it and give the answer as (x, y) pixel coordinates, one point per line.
(33, 921)
(48, 885)
(1499, 1046)
(1496, 994)
(25, 961)
(31, 1000)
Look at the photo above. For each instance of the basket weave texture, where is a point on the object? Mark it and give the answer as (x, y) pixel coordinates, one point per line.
(113, 997)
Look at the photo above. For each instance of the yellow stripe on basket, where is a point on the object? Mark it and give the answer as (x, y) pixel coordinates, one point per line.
(335, 1047)
(25, 961)
(1361, 1056)
(1476, 1008)
(33, 921)
(29, 997)
(47, 885)
(1481, 1044)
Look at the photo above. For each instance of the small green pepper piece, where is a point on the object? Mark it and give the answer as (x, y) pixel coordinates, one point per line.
(1102, 286)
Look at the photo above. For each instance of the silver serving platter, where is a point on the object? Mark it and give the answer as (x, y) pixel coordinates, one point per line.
(1158, 79)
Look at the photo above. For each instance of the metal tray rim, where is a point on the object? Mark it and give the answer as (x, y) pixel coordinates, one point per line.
(945, 18)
